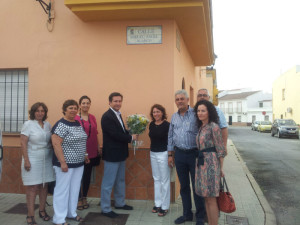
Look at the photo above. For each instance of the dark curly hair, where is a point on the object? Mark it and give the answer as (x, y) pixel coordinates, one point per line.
(160, 108)
(67, 103)
(212, 112)
(34, 108)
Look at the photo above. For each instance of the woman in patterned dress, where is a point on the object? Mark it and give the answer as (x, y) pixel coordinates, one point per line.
(209, 164)
(69, 143)
(36, 165)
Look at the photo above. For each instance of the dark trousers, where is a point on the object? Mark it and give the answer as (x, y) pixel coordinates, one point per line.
(185, 167)
(86, 179)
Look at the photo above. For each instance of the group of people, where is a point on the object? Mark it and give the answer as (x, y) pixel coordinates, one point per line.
(76, 149)
(195, 140)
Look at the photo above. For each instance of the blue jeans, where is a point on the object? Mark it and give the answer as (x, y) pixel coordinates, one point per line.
(114, 177)
(185, 167)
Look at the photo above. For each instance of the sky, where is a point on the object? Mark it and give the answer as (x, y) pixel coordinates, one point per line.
(255, 41)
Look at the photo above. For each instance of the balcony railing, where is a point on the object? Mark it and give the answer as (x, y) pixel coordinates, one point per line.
(232, 110)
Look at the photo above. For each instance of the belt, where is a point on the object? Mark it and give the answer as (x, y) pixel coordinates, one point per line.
(201, 156)
(187, 151)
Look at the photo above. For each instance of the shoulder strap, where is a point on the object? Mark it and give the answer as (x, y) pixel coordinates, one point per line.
(82, 124)
(224, 186)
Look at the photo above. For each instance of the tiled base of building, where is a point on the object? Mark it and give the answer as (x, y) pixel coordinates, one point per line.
(139, 181)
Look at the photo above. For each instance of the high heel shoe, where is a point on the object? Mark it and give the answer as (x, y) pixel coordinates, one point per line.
(45, 217)
(32, 220)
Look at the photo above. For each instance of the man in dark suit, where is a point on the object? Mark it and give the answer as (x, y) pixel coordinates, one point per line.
(115, 152)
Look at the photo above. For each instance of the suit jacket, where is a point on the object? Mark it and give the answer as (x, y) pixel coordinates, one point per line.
(115, 139)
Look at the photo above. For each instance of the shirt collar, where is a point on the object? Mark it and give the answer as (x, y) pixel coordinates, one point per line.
(117, 113)
(189, 109)
(38, 121)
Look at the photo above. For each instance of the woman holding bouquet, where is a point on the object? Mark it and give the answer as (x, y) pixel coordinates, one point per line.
(158, 133)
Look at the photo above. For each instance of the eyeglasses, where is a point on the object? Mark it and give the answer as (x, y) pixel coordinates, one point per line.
(202, 95)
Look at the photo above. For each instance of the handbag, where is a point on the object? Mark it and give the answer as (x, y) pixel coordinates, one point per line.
(225, 200)
(51, 186)
(95, 161)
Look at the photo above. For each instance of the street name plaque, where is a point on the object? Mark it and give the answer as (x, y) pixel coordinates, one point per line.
(144, 35)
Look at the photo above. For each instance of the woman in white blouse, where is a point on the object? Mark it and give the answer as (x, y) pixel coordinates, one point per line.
(37, 153)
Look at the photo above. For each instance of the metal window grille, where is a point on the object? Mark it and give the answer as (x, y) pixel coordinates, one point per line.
(13, 99)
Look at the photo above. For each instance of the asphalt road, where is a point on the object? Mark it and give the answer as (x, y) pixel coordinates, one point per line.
(275, 165)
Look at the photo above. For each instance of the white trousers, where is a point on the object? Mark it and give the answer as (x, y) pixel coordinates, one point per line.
(161, 176)
(66, 191)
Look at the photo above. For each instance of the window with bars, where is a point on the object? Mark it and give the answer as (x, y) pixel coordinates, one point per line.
(13, 99)
(239, 119)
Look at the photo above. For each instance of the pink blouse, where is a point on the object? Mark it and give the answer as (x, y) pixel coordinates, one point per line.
(92, 141)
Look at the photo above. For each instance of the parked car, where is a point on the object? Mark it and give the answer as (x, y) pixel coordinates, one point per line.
(254, 125)
(264, 126)
(285, 127)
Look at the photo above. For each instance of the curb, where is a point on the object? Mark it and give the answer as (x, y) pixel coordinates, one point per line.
(270, 218)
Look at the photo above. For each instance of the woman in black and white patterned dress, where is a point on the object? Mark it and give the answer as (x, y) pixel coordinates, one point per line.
(69, 143)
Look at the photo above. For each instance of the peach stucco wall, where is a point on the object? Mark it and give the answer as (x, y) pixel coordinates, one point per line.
(79, 58)
(184, 68)
(93, 59)
(206, 82)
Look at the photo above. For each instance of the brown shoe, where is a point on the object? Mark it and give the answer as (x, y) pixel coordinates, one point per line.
(85, 203)
(80, 204)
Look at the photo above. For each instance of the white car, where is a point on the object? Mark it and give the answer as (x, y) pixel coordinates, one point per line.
(254, 125)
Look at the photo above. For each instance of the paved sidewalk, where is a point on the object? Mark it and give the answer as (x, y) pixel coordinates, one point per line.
(250, 202)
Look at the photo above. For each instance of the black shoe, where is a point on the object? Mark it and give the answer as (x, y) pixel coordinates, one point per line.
(110, 214)
(200, 222)
(125, 207)
(182, 219)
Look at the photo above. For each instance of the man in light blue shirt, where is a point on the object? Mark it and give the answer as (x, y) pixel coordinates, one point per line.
(204, 95)
(182, 140)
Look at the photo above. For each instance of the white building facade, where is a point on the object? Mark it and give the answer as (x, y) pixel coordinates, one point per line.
(242, 107)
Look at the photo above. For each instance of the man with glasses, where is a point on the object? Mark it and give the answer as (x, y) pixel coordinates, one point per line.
(204, 95)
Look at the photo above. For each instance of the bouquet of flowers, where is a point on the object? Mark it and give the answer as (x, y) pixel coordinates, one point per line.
(137, 124)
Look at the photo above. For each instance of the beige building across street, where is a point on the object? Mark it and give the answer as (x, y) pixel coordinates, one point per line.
(286, 104)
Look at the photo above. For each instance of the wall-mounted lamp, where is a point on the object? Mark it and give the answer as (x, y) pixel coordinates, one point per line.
(49, 10)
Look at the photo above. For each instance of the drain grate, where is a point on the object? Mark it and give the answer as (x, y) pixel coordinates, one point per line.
(235, 220)
(93, 218)
(20, 208)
